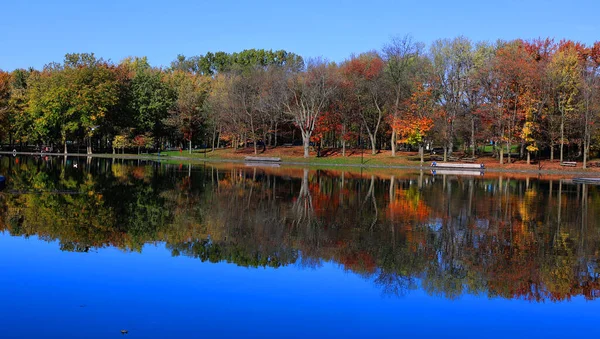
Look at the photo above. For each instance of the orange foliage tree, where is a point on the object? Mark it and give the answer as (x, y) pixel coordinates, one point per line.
(415, 122)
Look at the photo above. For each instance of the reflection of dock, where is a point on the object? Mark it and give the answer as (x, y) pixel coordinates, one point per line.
(459, 166)
(593, 181)
(456, 172)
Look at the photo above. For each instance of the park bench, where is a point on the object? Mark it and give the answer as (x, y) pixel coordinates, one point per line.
(453, 159)
(469, 160)
(594, 163)
(287, 145)
(568, 163)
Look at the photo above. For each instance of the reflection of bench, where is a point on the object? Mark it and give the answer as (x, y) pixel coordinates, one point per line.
(262, 159)
(568, 163)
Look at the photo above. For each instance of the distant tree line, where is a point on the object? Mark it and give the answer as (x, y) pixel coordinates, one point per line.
(523, 97)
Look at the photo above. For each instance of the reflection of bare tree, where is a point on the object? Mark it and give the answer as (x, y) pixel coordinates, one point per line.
(303, 206)
(371, 194)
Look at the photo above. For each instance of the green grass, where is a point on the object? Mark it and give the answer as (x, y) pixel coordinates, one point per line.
(327, 160)
(490, 148)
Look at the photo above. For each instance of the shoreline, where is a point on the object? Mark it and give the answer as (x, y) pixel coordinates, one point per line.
(283, 162)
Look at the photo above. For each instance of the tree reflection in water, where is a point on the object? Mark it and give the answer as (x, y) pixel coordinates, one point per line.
(503, 237)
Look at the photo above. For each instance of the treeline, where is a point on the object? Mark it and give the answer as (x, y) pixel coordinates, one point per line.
(526, 97)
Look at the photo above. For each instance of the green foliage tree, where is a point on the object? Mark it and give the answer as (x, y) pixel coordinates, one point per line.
(151, 98)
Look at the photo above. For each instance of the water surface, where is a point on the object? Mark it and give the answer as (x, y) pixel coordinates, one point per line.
(181, 251)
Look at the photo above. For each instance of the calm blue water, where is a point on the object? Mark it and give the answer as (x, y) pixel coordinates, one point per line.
(47, 292)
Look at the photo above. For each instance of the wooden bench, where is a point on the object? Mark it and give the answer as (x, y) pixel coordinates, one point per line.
(453, 159)
(262, 159)
(288, 145)
(594, 164)
(568, 163)
(469, 160)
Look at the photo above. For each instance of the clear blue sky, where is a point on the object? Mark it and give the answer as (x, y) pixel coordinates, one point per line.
(39, 31)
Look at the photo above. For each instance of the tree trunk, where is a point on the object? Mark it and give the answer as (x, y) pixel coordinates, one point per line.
(214, 137)
(522, 150)
(306, 142)
(88, 145)
(562, 134)
(343, 147)
(586, 147)
(265, 143)
(501, 150)
(445, 153)
(421, 153)
(528, 158)
(65, 143)
(373, 139)
(393, 142)
(190, 147)
(473, 137)
(551, 151)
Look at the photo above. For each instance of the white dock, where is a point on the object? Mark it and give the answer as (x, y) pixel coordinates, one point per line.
(454, 165)
(262, 164)
(262, 159)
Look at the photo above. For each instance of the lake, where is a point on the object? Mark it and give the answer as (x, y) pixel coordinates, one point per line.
(91, 247)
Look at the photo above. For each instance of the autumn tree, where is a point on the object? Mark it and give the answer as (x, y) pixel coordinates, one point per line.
(187, 114)
(417, 117)
(403, 61)
(50, 106)
(511, 94)
(451, 60)
(565, 72)
(94, 89)
(5, 81)
(590, 97)
(365, 75)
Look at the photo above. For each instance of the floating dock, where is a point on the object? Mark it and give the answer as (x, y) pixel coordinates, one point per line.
(262, 164)
(593, 181)
(262, 159)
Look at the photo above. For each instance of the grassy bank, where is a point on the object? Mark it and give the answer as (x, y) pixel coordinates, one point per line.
(293, 156)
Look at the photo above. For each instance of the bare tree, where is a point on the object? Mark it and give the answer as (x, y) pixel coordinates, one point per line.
(308, 94)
